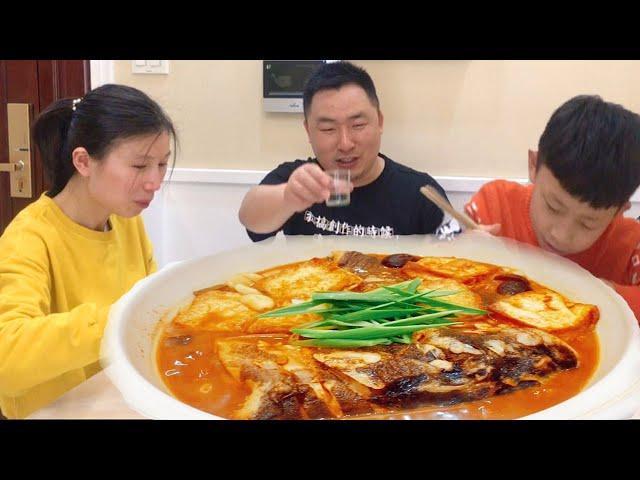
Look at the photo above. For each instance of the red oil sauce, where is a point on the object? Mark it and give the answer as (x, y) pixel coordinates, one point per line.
(188, 363)
(193, 374)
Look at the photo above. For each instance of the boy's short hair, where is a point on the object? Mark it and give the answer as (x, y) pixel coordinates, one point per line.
(334, 75)
(593, 148)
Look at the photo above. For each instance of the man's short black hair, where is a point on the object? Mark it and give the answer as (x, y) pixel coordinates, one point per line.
(334, 75)
(593, 148)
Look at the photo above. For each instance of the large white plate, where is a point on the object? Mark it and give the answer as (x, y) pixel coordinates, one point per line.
(128, 343)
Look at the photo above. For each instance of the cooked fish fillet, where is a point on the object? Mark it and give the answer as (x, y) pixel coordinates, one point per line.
(452, 365)
(274, 393)
(445, 366)
(546, 310)
(475, 363)
(286, 382)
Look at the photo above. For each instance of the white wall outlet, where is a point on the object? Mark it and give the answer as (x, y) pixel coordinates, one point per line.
(150, 67)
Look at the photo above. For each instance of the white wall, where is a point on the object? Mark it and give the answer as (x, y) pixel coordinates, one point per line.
(445, 117)
(196, 212)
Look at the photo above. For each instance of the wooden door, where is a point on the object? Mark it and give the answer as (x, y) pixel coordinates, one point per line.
(37, 83)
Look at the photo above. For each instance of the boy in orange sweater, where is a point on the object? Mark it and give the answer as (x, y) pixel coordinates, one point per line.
(585, 170)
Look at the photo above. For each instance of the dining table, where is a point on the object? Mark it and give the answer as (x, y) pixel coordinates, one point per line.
(96, 398)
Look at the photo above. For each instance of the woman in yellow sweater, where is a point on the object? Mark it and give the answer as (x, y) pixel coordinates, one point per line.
(72, 253)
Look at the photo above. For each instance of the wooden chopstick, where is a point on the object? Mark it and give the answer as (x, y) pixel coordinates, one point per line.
(433, 195)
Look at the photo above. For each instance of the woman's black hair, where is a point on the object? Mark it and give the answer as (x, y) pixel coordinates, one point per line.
(101, 118)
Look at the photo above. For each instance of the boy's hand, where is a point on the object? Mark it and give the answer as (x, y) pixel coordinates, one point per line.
(493, 229)
(307, 185)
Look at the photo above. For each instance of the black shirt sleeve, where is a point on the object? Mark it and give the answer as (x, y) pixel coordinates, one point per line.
(425, 215)
(430, 215)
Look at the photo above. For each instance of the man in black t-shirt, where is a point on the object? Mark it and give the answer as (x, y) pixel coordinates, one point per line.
(344, 124)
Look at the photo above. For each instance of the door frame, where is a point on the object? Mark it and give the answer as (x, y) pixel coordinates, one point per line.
(55, 79)
(102, 72)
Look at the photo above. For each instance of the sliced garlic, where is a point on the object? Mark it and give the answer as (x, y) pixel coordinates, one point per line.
(257, 302)
(426, 348)
(456, 346)
(240, 279)
(206, 388)
(495, 346)
(442, 365)
(240, 288)
(527, 339)
(373, 278)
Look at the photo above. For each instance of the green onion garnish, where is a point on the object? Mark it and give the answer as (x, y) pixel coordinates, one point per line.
(390, 314)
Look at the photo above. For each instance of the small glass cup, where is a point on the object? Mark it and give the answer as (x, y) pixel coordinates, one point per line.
(340, 195)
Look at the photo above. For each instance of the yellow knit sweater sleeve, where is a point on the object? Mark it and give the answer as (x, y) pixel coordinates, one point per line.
(35, 344)
(58, 281)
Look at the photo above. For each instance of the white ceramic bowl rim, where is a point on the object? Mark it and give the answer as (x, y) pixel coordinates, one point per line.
(128, 343)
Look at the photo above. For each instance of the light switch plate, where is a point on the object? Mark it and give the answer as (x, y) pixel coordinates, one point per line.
(150, 67)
